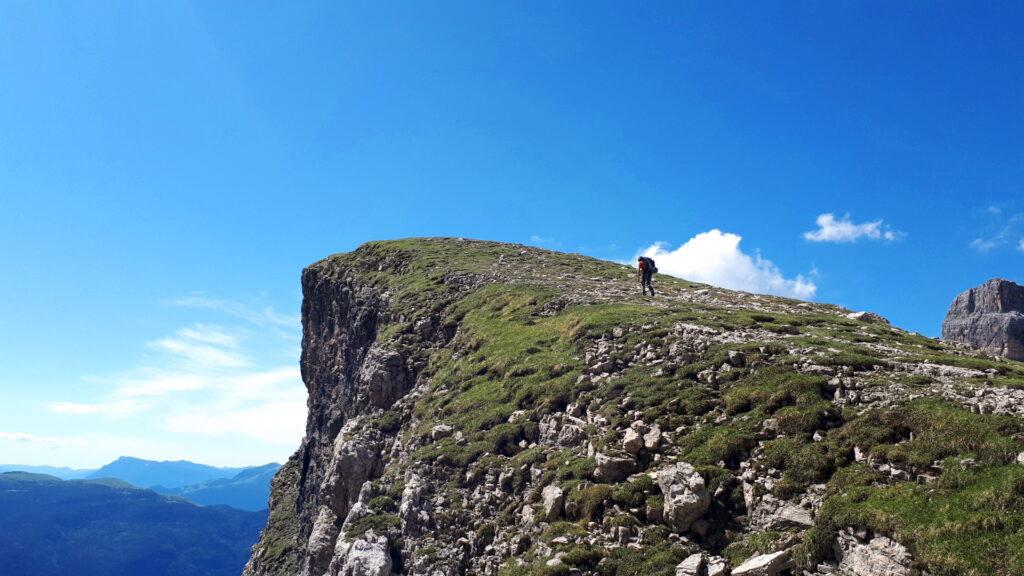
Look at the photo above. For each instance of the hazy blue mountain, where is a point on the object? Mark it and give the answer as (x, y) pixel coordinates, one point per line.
(248, 490)
(167, 475)
(52, 527)
(58, 471)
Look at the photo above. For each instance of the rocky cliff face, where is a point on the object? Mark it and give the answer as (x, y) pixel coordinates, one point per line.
(989, 317)
(483, 408)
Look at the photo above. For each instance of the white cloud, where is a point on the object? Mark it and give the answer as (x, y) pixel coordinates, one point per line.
(29, 438)
(279, 422)
(158, 384)
(114, 409)
(986, 244)
(831, 229)
(210, 380)
(263, 316)
(1000, 229)
(714, 257)
(203, 345)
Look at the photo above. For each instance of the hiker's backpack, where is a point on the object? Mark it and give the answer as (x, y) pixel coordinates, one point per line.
(650, 265)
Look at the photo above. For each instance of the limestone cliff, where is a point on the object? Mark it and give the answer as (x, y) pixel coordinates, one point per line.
(485, 408)
(989, 317)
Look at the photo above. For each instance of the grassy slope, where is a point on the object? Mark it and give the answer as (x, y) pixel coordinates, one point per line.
(520, 344)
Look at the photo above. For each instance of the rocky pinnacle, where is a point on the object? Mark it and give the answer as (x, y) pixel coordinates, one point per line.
(989, 317)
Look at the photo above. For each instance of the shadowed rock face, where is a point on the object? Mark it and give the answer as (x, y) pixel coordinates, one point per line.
(989, 317)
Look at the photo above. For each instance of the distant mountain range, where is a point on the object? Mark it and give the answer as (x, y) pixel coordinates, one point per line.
(244, 488)
(57, 471)
(53, 527)
(167, 474)
(247, 490)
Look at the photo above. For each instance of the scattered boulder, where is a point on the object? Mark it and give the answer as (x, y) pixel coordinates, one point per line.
(717, 566)
(764, 564)
(771, 513)
(693, 565)
(611, 468)
(632, 442)
(554, 501)
(867, 317)
(652, 439)
(440, 431)
(989, 317)
(876, 556)
(686, 496)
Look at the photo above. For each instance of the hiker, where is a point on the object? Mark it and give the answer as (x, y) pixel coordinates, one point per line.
(645, 268)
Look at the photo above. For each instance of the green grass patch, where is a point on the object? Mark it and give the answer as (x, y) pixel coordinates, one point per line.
(973, 525)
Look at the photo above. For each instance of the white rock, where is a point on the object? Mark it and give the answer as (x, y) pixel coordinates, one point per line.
(692, 566)
(764, 565)
(879, 556)
(632, 442)
(367, 556)
(686, 497)
(528, 517)
(412, 502)
(717, 566)
(554, 501)
(867, 317)
(653, 438)
(440, 431)
(611, 469)
(322, 538)
(737, 358)
(771, 513)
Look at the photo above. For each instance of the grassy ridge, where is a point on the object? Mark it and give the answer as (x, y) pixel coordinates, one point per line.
(519, 348)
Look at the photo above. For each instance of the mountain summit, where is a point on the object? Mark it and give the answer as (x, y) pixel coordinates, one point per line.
(486, 408)
(163, 474)
(989, 317)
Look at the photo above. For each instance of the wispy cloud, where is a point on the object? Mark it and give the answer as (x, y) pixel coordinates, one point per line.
(28, 438)
(261, 316)
(208, 379)
(202, 345)
(274, 422)
(715, 257)
(844, 230)
(114, 409)
(1020, 245)
(544, 241)
(986, 244)
(1000, 229)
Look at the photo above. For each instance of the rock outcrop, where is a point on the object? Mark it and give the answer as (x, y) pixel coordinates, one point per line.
(861, 555)
(479, 408)
(686, 497)
(989, 317)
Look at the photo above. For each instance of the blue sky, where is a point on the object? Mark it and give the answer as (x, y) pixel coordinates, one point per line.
(168, 168)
